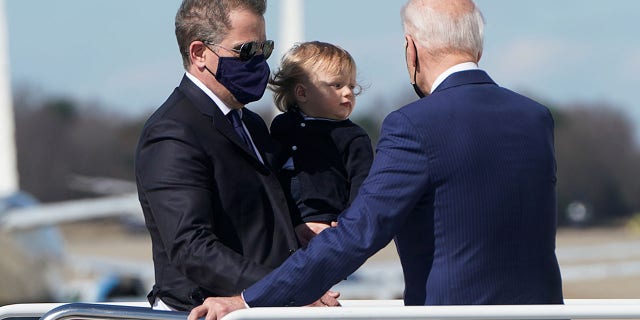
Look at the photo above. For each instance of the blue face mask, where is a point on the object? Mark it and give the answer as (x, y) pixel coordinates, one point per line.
(246, 80)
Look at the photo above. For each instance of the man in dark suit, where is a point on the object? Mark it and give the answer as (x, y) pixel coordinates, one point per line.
(463, 179)
(216, 213)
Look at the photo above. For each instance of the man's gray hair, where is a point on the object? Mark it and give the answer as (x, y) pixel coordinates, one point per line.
(440, 32)
(208, 20)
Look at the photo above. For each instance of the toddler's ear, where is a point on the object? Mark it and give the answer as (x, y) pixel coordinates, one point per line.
(300, 92)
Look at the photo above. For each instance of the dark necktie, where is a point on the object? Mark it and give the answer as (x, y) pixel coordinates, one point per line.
(234, 118)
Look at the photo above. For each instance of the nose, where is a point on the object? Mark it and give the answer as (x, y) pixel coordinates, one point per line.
(347, 91)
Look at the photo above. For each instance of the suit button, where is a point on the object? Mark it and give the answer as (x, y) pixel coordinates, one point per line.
(291, 251)
(303, 124)
(291, 303)
(294, 148)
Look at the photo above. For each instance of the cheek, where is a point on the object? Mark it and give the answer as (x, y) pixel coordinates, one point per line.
(325, 96)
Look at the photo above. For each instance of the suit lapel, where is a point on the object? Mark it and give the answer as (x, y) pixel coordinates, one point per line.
(206, 106)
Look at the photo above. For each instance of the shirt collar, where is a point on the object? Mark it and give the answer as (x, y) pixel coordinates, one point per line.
(221, 105)
(306, 117)
(457, 68)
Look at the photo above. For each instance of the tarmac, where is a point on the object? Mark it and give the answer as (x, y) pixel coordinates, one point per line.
(595, 263)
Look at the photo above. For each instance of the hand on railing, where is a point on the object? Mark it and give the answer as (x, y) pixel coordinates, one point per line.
(215, 308)
(329, 299)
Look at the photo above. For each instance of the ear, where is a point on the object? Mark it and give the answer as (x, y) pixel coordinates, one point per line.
(300, 93)
(410, 48)
(411, 54)
(197, 51)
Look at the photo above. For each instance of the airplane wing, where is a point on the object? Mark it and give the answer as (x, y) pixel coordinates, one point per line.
(67, 211)
(31, 229)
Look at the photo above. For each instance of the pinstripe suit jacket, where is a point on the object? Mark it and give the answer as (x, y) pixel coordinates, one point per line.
(464, 180)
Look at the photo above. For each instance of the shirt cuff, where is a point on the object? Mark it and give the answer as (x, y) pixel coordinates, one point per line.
(244, 301)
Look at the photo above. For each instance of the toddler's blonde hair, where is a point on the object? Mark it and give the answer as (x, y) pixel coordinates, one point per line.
(300, 62)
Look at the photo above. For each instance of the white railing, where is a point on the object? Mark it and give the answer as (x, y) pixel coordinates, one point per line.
(33, 310)
(372, 310)
(352, 309)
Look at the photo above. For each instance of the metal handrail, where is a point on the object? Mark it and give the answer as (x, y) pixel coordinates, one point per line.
(352, 309)
(87, 311)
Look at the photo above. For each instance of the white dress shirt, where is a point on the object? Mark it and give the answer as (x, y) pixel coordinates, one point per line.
(457, 68)
(224, 108)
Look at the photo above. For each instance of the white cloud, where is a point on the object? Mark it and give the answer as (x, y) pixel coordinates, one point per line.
(569, 71)
(531, 59)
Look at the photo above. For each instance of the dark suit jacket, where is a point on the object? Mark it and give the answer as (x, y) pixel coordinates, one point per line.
(464, 179)
(217, 216)
(331, 160)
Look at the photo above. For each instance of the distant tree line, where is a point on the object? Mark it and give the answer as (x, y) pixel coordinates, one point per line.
(58, 138)
(598, 161)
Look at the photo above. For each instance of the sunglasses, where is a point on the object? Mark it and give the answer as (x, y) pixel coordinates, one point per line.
(248, 50)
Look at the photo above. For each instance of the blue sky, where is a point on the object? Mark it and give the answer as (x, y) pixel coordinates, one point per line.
(123, 54)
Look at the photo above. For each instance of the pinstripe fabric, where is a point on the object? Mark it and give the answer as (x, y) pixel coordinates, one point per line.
(465, 181)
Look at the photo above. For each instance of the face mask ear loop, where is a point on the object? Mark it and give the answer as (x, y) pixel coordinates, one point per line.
(213, 74)
(205, 66)
(415, 71)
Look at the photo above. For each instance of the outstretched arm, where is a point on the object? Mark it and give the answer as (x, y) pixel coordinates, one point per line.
(398, 178)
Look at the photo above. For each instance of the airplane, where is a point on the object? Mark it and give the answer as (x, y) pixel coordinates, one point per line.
(35, 265)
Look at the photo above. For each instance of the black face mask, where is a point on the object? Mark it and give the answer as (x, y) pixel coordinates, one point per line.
(246, 80)
(414, 84)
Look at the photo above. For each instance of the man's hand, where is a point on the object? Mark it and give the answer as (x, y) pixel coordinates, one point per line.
(308, 230)
(329, 299)
(217, 307)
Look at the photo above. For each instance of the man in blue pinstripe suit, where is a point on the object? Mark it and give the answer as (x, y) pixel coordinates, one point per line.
(463, 180)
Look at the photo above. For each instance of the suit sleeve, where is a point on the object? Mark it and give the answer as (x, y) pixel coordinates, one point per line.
(175, 176)
(398, 177)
